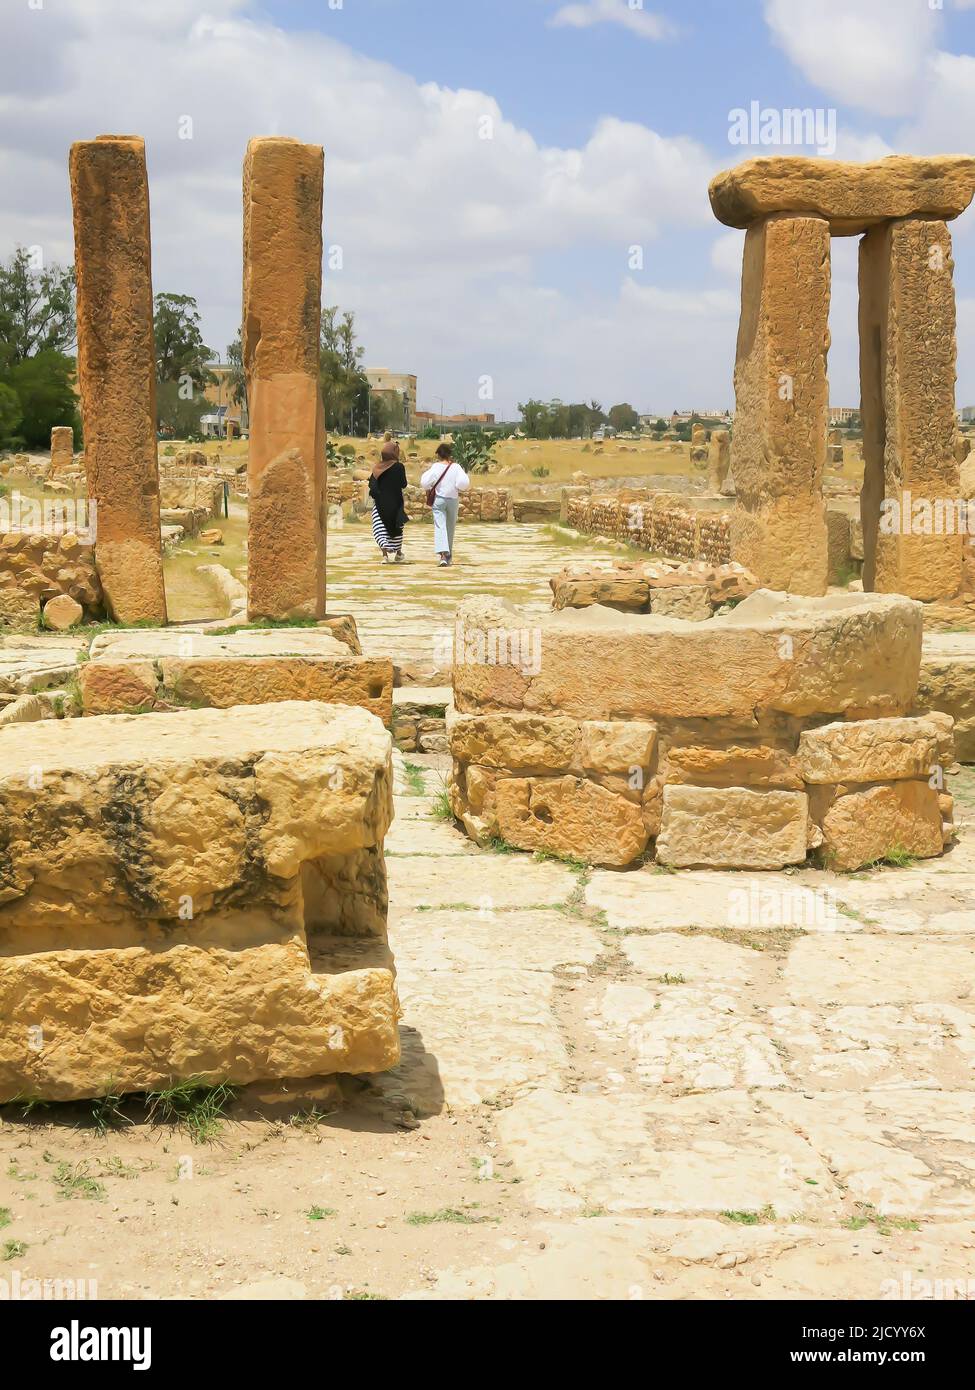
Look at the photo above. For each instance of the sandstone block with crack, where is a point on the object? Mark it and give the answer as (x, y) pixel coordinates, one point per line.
(570, 816)
(179, 899)
(732, 828)
(871, 750)
(863, 825)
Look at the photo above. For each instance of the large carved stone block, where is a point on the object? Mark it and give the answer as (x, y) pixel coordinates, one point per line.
(198, 894)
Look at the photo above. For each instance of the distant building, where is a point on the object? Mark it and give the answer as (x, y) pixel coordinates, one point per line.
(433, 417)
(217, 394)
(383, 382)
(842, 414)
(967, 414)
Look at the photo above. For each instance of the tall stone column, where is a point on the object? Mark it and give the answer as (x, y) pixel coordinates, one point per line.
(117, 370)
(282, 314)
(778, 451)
(911, 482)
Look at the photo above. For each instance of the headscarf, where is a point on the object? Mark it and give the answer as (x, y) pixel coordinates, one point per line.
(389, 455)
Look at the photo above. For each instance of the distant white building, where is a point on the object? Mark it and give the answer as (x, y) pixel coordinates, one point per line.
(842, 414)
(967, 414)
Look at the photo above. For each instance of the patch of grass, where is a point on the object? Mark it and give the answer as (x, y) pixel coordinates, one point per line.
(194, 1105)
(441, 809)
(750, 1218)
(309, 1120)
(414, 779)
(106, 1113)
(452, 1215)
(319, 1213)
(75, 1181)
(13, 1249)
(5, 1217)
(578, 866)
(671, 980)
(260, 623)
(497, 845)
(867, 1215)
(541, 471)
(343, 1250)
(899, 857)
(364, 1296)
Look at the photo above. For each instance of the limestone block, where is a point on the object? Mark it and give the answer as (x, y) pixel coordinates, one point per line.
(852, 197)
(947, 685)
(62, 612)
(864, 825)
(117, 369)
(778, 453)
(156, 899)
(282, 297)
(688, 601)
(734, 766)
(609, 746)
(846, 654)
(732, 828)
(117, 687)
(719, 460)
(570, 816)
(340, 679)
(872, 750)
(24, 710)
(522, 742)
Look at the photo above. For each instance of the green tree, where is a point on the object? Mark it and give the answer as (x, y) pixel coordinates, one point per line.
(536, 418)
(37, 310)
(345, 391)
(10, 417)
(181, 353)
(178, 414)
(44, 385)
(236, 380)
(623, 417)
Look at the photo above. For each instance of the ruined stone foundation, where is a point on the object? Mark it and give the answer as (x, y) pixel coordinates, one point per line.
(746, 740)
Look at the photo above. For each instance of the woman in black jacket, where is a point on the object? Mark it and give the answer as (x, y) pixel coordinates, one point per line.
(386, 488)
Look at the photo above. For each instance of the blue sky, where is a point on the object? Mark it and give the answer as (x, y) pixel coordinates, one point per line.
(503, 260)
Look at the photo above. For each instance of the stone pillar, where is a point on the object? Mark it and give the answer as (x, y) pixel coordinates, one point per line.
(719, 460)
(117, 370)
(282, 312)
(778, 450)
(62, 449)
(911, 481)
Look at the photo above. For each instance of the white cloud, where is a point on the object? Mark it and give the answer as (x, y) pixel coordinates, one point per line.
(869, 54)
(442, 231)
(629, 14)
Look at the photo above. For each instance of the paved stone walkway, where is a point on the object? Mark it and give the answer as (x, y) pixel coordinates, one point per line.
(695, 1098)
(401, 610)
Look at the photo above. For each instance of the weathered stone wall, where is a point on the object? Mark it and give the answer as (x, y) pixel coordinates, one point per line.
(36, 567)
(654, 522)
(741, 742)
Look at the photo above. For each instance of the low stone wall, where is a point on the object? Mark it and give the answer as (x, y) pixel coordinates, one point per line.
(668, 525)
(746, 741)
(419, 718)
(653, 521)
(693, 591)
(477, 504)
(36, 567)
(221, 900)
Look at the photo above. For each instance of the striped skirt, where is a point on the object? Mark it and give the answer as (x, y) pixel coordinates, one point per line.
(380, 536)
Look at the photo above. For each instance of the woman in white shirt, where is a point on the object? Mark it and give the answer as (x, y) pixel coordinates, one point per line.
(446, 479)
